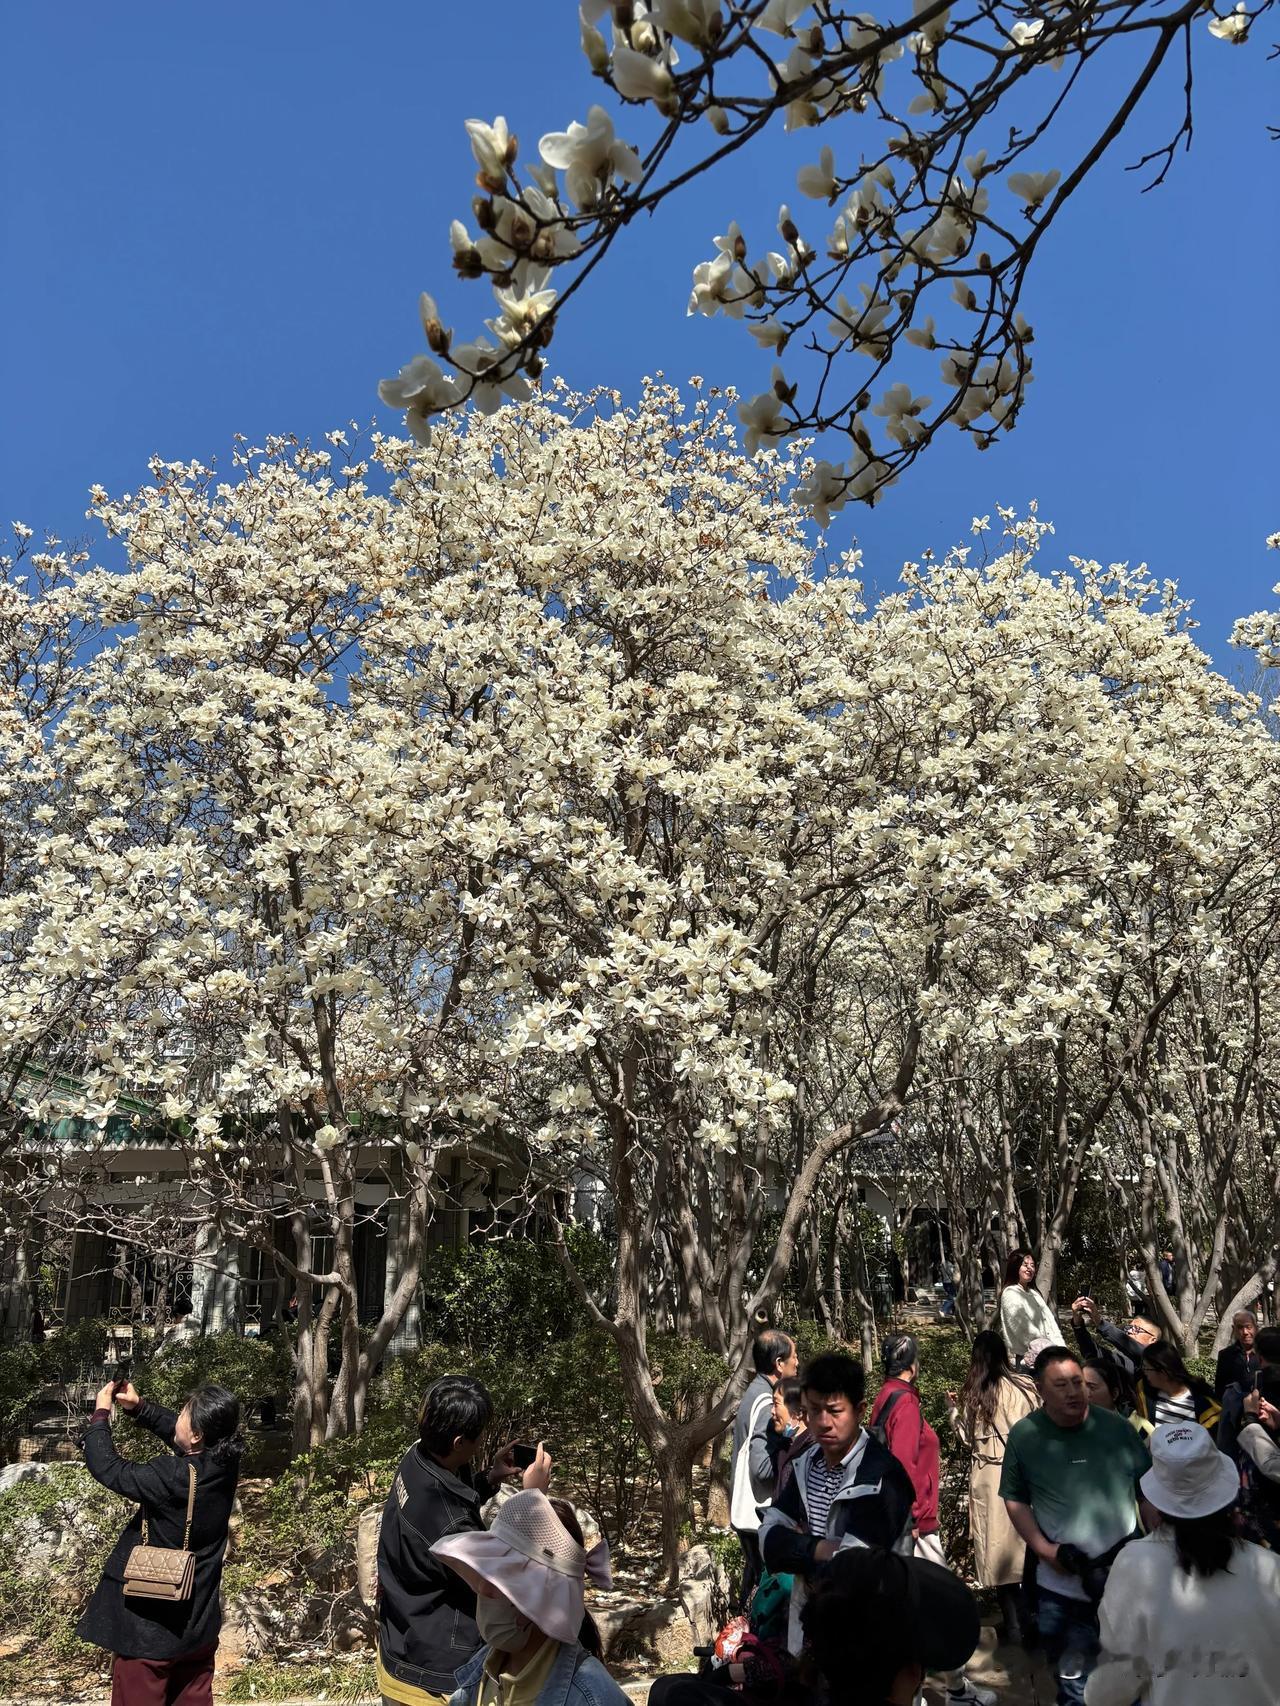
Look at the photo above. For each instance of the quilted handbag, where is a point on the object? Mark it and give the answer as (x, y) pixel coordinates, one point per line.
(163, 1572)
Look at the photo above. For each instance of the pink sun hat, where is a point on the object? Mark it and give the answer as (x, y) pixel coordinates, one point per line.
(530, 1557)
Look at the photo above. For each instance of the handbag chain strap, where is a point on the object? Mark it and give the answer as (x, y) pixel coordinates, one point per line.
(191, 1505)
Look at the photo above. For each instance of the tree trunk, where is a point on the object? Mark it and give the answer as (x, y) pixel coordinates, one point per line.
(675, 1481)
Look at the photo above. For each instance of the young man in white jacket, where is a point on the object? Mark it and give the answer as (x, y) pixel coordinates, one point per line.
(1191, 1613)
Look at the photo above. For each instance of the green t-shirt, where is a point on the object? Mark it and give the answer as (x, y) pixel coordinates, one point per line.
(1080, 1484)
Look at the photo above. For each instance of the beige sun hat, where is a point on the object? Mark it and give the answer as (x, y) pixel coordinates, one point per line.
(530, 1557)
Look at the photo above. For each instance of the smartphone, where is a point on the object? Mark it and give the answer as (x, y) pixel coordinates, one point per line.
(524, 1456)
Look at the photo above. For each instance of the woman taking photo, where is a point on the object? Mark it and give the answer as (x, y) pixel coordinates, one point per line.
(1188, 1617)
(1024, 1314)
(991, 1400)
(164, 1648)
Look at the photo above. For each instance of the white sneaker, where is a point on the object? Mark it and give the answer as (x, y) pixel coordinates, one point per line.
(971, 1695)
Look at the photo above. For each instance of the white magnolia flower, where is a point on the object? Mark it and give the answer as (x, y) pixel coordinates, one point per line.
(491, 145)
(931, 34)
(819, 182)
(720, 286)
(475, 361)
(594, 46)
(693, 21)
(636, 77)
(1023, 34)
(763, 417)
(1033, 187)
(780, 16)
(770, 334)
(1234, 27)
(825, 491)
(421, 389)
(863, 327)
(589, 155)
(521, 310)
(899, 410)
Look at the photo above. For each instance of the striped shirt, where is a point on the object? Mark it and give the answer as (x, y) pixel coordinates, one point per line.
(1179, 1409)
(821, 1484)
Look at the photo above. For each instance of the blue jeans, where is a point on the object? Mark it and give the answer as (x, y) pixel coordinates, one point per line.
(1069, 1630)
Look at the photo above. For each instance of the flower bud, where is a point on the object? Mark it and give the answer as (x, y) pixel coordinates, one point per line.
(482, 208)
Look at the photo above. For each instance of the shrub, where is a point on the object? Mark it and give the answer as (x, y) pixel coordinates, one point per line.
(55, 1534)
(74, 1355)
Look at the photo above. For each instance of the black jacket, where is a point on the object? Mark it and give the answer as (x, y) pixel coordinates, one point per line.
(873, 1506)
(426, 1612)
(1235, 1367)
(154, 1629)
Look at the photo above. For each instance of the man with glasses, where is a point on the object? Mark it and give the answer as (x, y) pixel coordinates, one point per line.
(1124, 1345)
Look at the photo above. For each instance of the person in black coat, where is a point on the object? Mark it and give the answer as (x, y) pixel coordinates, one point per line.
(164, 1650)
(426, 1611)
(1237, 1363)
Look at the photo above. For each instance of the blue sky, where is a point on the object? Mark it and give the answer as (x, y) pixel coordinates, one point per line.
(218, 219)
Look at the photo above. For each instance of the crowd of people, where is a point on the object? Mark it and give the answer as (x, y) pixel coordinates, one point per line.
(1125, 1514)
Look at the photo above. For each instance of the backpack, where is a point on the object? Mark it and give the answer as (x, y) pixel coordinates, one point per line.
(879, 1429)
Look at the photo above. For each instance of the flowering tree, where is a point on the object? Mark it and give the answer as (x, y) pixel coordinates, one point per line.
(941, 163)
(43, 630)
(539, 783)
(273, 825)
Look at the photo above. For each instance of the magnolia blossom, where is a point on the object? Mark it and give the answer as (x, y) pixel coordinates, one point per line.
(589, 155)
(420, 389)
(901, 412)
(781, 16)
(763, 419)
(695, 21)
(920, 241)
(819, 182)
(1023, 33)
(493, 147)
(638, 77)
(1234, 27)
(1033, 187)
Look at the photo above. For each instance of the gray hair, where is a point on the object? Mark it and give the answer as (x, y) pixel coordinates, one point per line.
(900, 1353)
(1246, 1314)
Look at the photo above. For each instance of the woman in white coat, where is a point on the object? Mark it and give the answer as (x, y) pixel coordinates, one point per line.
(1024, 1314)
(1190, 1613)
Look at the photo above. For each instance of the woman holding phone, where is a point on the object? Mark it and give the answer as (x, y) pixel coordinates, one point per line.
(164, 1648)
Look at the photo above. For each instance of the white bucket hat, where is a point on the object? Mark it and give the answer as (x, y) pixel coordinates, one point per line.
(1189, 1476)
(530, 1557)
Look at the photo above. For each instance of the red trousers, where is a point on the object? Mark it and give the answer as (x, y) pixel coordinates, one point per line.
(187, 1681)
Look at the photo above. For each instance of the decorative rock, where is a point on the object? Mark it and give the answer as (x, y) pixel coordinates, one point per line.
(13, 1473)
(704, 1594)
(660, 1634)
